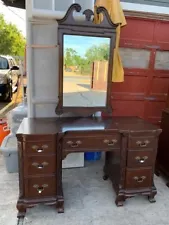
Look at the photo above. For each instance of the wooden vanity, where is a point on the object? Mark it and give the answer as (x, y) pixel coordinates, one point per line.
(130, 145)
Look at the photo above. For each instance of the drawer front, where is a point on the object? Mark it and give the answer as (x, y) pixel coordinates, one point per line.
(103, 142)
(140, 158)
(138, 178)
(40, 165)
(141, 142)
(41, 147)
(40, 187)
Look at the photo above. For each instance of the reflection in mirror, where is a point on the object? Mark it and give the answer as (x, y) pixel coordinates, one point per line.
(85, 71)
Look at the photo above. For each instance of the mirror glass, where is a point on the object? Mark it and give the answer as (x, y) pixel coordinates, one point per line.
(85, 71)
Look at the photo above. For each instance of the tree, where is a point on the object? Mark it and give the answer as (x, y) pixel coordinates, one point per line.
(84, 63)
(95, 53)
(12, 41)
(70, 57)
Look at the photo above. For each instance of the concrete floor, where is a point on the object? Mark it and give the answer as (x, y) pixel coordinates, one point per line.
(88, 201)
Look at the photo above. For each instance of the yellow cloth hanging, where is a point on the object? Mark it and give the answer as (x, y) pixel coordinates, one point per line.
(117, 16)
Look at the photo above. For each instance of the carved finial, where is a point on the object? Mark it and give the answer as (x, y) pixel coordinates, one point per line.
(88, 13)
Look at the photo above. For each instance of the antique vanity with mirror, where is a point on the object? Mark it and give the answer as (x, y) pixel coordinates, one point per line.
(129, 143)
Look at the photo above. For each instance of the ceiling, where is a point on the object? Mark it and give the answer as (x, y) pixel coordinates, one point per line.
(15, 3)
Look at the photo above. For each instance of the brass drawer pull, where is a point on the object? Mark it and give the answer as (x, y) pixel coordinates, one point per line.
(40, 166)
(40, 189)
(74, 145)
(142, 144)
(139, 179)
(110, 143)
(141, 159)
(39, 149)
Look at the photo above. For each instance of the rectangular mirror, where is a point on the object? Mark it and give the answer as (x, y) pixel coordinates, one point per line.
(83, 56)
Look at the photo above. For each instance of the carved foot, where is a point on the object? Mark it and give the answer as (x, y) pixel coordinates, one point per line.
(60, 206)
(151, 199)
(120, 200)
(21, 210)
(105, 177)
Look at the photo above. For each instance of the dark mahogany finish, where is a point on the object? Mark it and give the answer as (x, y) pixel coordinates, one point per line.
(106, 29)
(129, 142)
(162, 162)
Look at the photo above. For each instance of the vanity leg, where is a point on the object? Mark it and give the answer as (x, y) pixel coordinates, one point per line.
(120, 199)
(60, 205)
(21, 210)
(151, 197)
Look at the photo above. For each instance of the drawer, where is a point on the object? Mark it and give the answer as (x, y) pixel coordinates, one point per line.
(140, 158)
(41, 147)
(96, 142)
(138, 178)
(141, 142)
(40, 187)
(40, 165)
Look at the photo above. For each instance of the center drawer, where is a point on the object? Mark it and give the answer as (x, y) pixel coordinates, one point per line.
(106, 142)
(40, 187)
(40, 165)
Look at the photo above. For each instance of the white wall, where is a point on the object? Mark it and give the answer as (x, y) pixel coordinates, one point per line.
(45, 69)
(145, 8)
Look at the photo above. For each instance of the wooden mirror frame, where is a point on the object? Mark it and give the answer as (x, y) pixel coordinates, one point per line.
(105, 29)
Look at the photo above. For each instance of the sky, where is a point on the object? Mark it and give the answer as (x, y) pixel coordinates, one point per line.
(15, 16)
(80, 43)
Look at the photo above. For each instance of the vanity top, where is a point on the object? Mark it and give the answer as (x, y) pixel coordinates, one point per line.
(30, 126)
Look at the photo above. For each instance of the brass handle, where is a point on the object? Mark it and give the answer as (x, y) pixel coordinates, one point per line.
(40, 166)
(40, 189)
(141, 159)
(74, 145)
(39, 149)
(142, 144)
(110, 143)
(139, 179)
